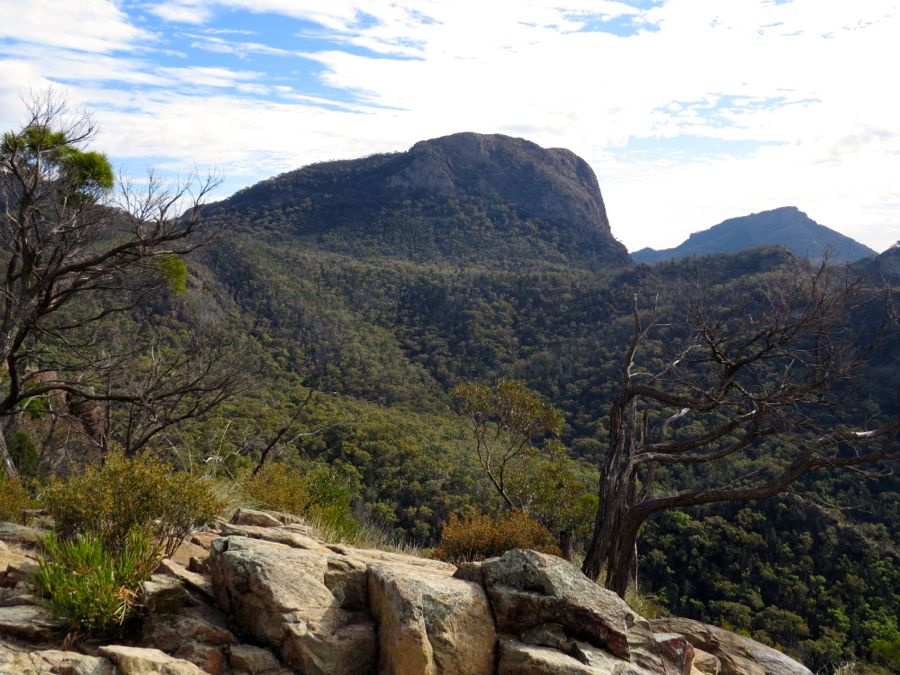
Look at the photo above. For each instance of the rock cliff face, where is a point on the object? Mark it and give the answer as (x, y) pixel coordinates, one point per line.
(262, 596)
(468, 198)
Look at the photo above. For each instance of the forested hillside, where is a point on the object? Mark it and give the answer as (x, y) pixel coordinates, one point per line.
(399, 334)
(380, 284)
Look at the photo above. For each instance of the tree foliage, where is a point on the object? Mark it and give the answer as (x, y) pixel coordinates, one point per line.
(507, 420)
(74, 252)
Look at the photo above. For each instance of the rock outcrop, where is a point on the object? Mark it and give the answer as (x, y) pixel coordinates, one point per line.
(737, 655)
(266, 597)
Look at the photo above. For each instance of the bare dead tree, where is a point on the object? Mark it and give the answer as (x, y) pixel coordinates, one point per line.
(746, 386)
(68, 238)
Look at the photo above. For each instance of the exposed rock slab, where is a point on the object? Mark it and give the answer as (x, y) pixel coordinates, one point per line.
(279, 535)
(518, 658)
(279, 595)
(30, 623)
(53, 662)
(140, 661)
(21, 534)
(430, 623)
(737, 655)
(255, 661)
(527, 589)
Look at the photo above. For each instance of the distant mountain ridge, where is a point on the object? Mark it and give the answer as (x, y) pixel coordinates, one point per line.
(786, 226)
(472, 199)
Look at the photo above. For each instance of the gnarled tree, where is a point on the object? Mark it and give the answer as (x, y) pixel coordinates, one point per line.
(746, 387)
(72, 251)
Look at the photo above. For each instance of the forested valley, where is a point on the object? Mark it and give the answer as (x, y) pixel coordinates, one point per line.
(336, 308)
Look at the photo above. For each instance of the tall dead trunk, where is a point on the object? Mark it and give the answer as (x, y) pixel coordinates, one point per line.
(614, 540)
(613, 546)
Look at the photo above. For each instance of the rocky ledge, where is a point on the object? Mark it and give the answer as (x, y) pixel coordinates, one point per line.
(261, 595)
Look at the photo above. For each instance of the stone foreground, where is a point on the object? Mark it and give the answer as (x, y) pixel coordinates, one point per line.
(262, 596)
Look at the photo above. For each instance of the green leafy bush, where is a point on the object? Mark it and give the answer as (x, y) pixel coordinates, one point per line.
(92, 588)
(477, 536)
(107, 502)
(15, 500)
(317, 492)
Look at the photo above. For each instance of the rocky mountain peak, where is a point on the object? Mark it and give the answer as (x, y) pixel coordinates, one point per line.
(786, 226)
(490, 199)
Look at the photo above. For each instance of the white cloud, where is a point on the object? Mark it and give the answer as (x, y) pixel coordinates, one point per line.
(801, 89)
(85, 25)
(182, 12)
(240, 49)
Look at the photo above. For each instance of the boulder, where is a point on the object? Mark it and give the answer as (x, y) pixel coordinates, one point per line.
(18, 571)
(255, 518)
(192, 581)
(430, 623)
(170, 632)
(53, 662)
(705, 663)
(22, 534)
(188, 550)
(204, 539)
(140, 661)
(30, 623)
(279, 595)
(737, 655)
(208, 658)
(279, 535)
(518, 658)
(162, 594)
(549, 603)
(527, 589)
(254, 660)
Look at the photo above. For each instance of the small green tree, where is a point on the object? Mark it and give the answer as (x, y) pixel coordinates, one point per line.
(507, 419)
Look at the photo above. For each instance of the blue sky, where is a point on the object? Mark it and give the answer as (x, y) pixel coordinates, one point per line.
(689, 111)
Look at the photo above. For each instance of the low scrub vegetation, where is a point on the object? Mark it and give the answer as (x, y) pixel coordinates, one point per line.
(107, 502)
(316, 492)
(114, 524)
(476, 536)
(15, 501)
(93, 588)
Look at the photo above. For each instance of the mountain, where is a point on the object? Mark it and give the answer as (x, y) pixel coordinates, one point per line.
(383, 282)
(466, 199)
(886, 265)
(787, 226)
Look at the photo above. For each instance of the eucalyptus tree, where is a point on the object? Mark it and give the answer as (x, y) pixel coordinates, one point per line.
(78, 246)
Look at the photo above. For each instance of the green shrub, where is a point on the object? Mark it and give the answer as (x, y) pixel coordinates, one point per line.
(92, 588)
(318, 492)
(477, 536)
(107, 502)
(15, 500)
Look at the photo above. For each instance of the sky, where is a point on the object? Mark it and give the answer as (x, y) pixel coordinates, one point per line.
(689, 111)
